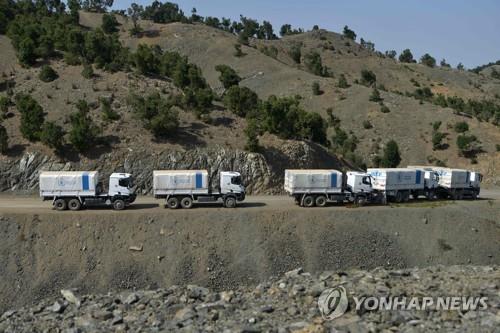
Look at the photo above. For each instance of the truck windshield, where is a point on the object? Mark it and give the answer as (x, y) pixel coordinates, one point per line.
(367, 180)
(236, 180)
(126, 182)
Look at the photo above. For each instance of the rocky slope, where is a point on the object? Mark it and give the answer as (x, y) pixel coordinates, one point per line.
(287, 304)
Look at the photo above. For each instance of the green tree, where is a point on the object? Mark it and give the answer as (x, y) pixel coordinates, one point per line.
(109, 23)
(32, 117)
(468, 145)
(84, 133)
(252, 136)
(342, 83)
(391, 156)
(241, 101)
(134, 12)
(52, 135)
(375, 96)
(47, 74)
(461, 127)
(391, 54)
(406, 56)
(316, 89)
(228, 76)
(4, 105)
(156, 113)
(437, 140)
(348, 33)
(98, 6)
(295, 53)
(74, 6)
(165, 123)
(87, 71)
(460, 66)
(145, 60)
(26, 52)
(443, 63)
(4, 140)
(108, 114)
(314, 64)
(428, 60)
(368, 78)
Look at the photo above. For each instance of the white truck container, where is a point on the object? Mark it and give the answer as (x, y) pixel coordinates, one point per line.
(317, 187)
(75, 189)
(456, 183)
(181, 188)
(399, 184)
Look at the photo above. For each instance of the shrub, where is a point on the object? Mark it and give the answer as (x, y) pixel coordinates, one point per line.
(72, 59)
(428, 60)
(52, 135)
(108, 114)
(228, 76)
(468, 145)
(109, 23)
(348, 33)
(343, 143)
(156, 113)
(47, 74)
(295, 53)
(367, 124)
(252, 136)
(368, 78)
(342, 83)
(461, 127)
(314, 64)
(497, 146)
(4, 105)
(241, 100)
(165, 122)
(406, 56)
(4, 140)
(88, 71)
(316, 89)
(437, 140)
(32, 117)
(436, 125)
(375, 95)
(391, 156)
(237, 51)
(199, 100)
(84, 133)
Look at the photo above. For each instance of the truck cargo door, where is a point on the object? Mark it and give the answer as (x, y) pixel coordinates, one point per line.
(419, 176)
(199, 180)
(333, 180)
(85, 182)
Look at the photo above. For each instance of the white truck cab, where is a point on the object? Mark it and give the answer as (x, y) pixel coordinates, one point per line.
(431, 179)
(359, 182)
(121, 184)
(230, 182)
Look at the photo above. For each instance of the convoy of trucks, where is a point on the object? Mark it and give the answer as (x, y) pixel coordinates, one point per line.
(314, 187)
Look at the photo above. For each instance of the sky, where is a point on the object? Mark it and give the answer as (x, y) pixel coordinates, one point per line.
(456, 30)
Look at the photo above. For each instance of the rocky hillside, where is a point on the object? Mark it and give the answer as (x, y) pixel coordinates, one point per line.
(203, 143)
(287, 304)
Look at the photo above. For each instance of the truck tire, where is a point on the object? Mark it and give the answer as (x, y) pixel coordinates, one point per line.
(321, 201)
(474, 195)
(399, 196)
(60, 204)
(406, 196)
(230, 202)
(360, 201)
(173, 203)
(74, 204)
(308, 201)
(187, 203)
(118, 204)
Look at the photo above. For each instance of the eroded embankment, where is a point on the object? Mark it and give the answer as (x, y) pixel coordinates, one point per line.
(220, 248)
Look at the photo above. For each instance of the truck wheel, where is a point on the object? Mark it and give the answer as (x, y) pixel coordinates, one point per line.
(187, 203)
(74, 204)
(230, 202)
(360, 201)
(173, 203)
(309, 201)
(474, 195)
(60, 204)
(321, 201)
(399, 196)
(406, 196)
(119, 204)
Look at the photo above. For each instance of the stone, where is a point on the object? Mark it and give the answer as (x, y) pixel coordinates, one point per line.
(58, 307)
(131, 299)
(70, 297)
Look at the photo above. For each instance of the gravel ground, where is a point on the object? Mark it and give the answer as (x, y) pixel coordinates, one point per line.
(287, 304)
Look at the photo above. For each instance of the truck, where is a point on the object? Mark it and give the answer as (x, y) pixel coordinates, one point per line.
(317, 187)
(455, 183)
(183, 188)
(400, 184)
(74, 190)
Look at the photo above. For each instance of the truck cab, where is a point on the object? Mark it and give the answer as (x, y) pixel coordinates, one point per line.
(431, 179)
(359, 182)
(122, 184)
(230, 182)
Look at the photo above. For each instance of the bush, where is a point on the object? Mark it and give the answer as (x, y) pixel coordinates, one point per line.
(4, 105)
(108, 114)
(428, 60)
(252, 135)
(109, 23)
(342, 83)
(348, 33)
(368, 78)
(199, 100)
(436, 125)
(314, 64)
(32, 117)
(343, 143)
(156, 113)
(468, 145)
(384, 109)
(228, 76)
(4, 140)
(497, 146)
(295, 53)
(52, 135)
(72, 59)
(316, 89)
(391, 156)
(406, 56)
(237, 51)
(47, 74)
(437, 140)
(88, 71)
(375, 95)
(241, 100)
(367, 124)
(461, 127)
(165, 123)
(84, 133)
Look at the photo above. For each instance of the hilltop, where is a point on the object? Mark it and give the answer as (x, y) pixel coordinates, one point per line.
(409, 109)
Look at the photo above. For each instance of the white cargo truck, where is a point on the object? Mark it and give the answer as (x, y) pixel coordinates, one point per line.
(455, 183)
(398, 184)
(76, 189)
(181, 188)
(312, 188)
